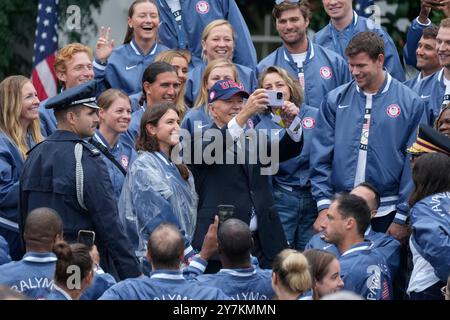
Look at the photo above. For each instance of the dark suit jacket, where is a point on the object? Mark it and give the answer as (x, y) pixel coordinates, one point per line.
(243, 186)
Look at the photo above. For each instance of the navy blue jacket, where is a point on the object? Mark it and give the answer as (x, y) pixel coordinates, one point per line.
(242, 185)
(48, 179)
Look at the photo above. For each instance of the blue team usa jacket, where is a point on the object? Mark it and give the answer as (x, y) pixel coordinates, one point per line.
(432, 91)
(241, 284)
(11, 166)
(364, 271)
(162, 285)
(388, 246)
(337, 41)
(125, 67)
(430, 219)
(124, 153)
(33, 276)
(396, 114)
(294, 172)
(196, 15)
(324, 70)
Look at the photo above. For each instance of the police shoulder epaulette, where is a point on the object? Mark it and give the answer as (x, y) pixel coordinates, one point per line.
(92, 149)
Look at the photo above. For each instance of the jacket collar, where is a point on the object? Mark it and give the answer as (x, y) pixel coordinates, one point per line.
(384, 87)
(138, 50)
(40, 257)
(352, 25)
(167, 274)
(309, 53)
(365, 245)
(247, 272)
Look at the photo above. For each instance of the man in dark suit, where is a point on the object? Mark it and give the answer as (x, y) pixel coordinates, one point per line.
(234, 173)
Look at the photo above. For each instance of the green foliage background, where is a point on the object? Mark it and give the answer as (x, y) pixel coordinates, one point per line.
(18, 25)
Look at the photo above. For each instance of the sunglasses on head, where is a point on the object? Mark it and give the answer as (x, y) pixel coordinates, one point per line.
(291, 1)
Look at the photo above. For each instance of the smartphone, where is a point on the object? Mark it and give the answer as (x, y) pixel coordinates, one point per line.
(86, 237)
(226, 211)
(275, 98)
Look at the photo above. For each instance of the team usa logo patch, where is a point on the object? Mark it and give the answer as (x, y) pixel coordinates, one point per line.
(393, 111)
(202, 7)
(325, 72)
(308, 123)
(124, 161)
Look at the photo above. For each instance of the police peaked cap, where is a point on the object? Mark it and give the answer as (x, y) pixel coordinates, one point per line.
(430, 140)
(84, 94)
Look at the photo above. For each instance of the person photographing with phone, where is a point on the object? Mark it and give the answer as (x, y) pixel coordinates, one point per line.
(243, 185)
(291, 186)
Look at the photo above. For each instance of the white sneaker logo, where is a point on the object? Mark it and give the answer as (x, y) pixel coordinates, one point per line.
(200, 126)
(129, 68)
(424, 97)
(343, 107)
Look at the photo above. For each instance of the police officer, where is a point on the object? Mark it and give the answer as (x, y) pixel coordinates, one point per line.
(67, 174)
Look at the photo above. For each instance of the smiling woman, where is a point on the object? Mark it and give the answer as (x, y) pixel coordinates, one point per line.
(122, 68)
(19, 131)
(156, 190)
(115, 117)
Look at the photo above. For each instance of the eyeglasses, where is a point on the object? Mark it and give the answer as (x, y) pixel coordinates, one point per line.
(291, 1)
(444, 291)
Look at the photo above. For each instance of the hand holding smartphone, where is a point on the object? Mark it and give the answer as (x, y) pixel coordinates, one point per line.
(275, 98)
(225, 212)
(86, 237)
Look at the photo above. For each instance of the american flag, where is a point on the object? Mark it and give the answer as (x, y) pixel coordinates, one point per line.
(45, 47)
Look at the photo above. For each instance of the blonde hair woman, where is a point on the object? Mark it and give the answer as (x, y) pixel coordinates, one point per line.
(218, 42)
(220, 69)
(291, 277)
(19, 131)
